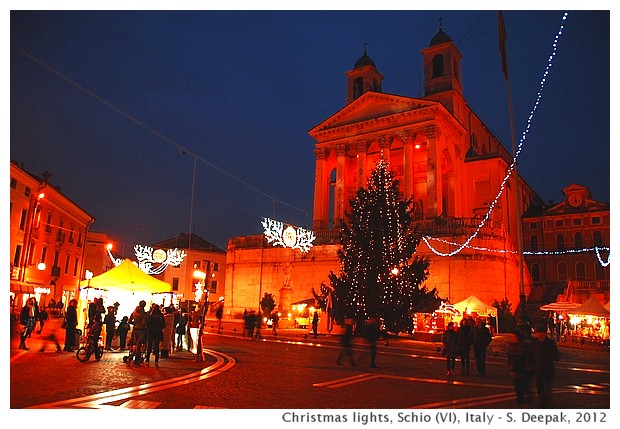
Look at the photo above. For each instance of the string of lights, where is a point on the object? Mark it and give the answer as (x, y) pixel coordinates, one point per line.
(596, 249)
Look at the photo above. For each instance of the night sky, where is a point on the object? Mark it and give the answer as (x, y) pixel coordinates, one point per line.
(119, 105)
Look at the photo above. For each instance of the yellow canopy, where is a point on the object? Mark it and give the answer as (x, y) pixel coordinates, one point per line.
(127, 277)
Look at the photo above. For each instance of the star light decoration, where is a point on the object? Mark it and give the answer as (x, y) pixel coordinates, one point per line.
(289, 236)
(148, 257)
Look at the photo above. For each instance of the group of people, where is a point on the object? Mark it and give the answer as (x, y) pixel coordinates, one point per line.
(458, 342)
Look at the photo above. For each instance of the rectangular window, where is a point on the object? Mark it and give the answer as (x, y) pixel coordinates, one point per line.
(76, 266)
(13, 183)
(596, 220)
(48, 224)
(175, 283)
(31, 254)
(213, 287)
(216, 266)
(43, 253)
(18, 254)
(67, 264)
(22, 220)
(27, 191)
(576, 221)
(559, 223)
(533, 225)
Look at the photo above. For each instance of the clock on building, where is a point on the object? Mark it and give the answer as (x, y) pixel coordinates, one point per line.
(575, 200)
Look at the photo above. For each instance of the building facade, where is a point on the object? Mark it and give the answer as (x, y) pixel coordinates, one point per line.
(446, 160)
(567, 248)
(202, 256)
(47, 240)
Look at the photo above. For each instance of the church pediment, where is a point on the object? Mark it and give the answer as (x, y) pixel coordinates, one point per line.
(371, 105)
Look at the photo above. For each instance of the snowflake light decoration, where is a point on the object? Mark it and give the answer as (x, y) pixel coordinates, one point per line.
(153, 261)
(289, 236)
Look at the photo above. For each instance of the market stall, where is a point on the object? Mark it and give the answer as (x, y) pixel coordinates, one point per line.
(125, 285)
(589, 324)
(473, 306)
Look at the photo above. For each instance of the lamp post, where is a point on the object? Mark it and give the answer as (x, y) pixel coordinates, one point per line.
(204, 281)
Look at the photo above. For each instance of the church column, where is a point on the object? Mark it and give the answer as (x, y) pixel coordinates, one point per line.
(339, 203)
(360, 146)
(408, 138)
(384, 145)
(321, 190)
(433, 172)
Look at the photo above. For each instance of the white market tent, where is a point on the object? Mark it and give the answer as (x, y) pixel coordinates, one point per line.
(475, 305)
(592, 307)
(560, 307)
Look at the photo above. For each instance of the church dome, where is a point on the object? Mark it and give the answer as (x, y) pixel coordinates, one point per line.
(440, 38)
(364, 60)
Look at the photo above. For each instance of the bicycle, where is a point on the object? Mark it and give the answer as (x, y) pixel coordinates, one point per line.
(90, 347)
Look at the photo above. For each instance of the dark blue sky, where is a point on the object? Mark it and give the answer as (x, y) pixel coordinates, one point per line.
(240, 90)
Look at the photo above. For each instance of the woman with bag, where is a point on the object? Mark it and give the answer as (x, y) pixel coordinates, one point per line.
(28, 319)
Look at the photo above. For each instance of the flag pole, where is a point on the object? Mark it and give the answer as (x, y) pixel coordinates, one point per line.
(522, 318)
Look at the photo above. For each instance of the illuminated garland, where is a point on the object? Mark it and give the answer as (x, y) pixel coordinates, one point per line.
(596, 249)
(514, 162)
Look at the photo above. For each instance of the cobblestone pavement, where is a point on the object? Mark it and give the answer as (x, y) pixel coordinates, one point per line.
(290, 371)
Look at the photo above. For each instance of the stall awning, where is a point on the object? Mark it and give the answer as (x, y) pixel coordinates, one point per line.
(24, 287)
(559, 307)
(592, 307)
(474, 305)
(128, 277)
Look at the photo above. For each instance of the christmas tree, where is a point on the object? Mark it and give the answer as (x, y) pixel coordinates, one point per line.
(380, 275)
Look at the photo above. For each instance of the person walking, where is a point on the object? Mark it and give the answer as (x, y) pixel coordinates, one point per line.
(110, 327)
(28, 319)
(219, 313)
(43, 316)
(372, 336)
(275, 318)
(346, 344)
(138, 319)
(450, 341)
(180, 331)
(315, 324)
(49, 334)
(464, 335)
(543, 354)
(259, 324)
(71, 321)
(122, 330)
(155, 333)
(516, 358)
(481, 340)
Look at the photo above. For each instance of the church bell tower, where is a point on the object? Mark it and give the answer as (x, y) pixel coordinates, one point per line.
(364, 77)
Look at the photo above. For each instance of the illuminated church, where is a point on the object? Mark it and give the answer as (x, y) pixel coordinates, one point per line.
(445, 159)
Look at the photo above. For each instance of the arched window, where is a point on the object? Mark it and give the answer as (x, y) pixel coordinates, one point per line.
(438, 66)
(358, 87)
(580, 270)
(598, 238)
(599, 271)
(559, 240)
(578, 240)
(534, 243)
(535, 273)
(562, 272)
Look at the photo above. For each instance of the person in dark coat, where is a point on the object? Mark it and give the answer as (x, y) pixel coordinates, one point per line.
(450, 340)
(465, 339)
(122, 330)
(28, 319)
(372, 336)
(516, 358)
(71, 319)
(155, 333)
(96, 327)
(481, 340)
(138, 320)
(542, 356)
(346, 344)
(180, 331)
(110, 327)
(43, 316)
(315, 324)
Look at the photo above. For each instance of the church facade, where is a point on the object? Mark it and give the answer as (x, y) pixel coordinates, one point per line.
(445, 159)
